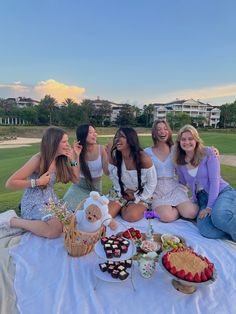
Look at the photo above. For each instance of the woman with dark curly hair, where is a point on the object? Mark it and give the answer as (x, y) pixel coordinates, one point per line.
(133, 176)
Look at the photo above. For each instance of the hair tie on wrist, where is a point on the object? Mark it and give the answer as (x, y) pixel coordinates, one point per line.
(33, 183)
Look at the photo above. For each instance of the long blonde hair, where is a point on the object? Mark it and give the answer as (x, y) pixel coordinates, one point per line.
(179, 156)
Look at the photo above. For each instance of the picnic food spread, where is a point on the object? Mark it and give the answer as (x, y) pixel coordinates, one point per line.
(185, 264)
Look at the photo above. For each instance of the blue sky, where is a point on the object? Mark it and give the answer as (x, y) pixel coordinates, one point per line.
(135, 51)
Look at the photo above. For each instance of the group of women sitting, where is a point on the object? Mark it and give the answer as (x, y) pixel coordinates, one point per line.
(140, 179)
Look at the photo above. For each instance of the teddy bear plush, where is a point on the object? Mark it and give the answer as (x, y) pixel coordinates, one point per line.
(94, 214)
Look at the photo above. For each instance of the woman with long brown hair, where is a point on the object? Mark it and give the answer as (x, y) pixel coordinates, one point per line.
(54, 163)
(170, 199)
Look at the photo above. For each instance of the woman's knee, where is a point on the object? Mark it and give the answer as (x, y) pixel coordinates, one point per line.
(168, 215)
(53, 234)
(131, 215)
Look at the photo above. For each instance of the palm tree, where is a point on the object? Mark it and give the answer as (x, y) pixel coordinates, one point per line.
(69, 101)
(49, 103)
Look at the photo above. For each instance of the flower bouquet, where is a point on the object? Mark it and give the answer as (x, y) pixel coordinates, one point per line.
(59, 210)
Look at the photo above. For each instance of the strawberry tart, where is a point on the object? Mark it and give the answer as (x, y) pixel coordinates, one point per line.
(185, 264)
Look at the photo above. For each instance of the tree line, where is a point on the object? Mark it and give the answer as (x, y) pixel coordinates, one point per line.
(70, 114)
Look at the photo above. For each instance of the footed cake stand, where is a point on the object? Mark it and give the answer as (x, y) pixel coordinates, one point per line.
(99, 250)
(182, 285)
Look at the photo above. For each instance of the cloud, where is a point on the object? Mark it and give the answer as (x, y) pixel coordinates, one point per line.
(14, 89)
(51, 87)
(212, 93)
(58, 90)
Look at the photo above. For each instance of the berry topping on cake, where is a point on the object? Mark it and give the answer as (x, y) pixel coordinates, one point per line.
(185, 264)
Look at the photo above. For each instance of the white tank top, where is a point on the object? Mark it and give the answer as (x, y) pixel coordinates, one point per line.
(95, 166)
(193, 173)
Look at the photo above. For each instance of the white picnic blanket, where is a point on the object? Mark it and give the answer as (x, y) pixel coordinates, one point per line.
(49, 281)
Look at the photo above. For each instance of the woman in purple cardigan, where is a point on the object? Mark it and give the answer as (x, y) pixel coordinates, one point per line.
(199, 168)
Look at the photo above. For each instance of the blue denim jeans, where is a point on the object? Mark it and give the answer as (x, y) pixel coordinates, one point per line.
(222, 222)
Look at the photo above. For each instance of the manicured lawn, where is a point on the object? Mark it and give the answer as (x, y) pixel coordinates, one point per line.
(13, 158)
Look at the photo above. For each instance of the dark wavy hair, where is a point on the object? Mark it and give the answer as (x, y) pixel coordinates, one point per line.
(81, 134)
(49, 145)
(135, 150)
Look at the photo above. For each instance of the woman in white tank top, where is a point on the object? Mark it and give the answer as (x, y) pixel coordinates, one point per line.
(93, 163)
(170, 199)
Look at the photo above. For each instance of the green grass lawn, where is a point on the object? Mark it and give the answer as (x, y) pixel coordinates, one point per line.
(13, 158)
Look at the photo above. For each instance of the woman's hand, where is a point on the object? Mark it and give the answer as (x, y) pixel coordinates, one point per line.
(108, 151)
(215, 151)
(77, 147)
(204, 213)
(43, 180)
(129, 195)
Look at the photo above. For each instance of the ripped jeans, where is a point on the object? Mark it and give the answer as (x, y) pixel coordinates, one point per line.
(222, 222)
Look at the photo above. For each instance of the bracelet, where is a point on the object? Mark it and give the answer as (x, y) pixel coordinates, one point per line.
(73, 163)
(33, 183)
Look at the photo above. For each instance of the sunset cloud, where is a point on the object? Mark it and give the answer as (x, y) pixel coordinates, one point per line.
(50, 87)
(204, 94)
(58, 90)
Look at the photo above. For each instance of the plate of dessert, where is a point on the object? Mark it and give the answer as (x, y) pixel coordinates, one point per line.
(187, 268)
(113, 271)
(115, 248)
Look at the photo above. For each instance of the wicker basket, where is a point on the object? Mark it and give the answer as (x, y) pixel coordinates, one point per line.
(80, 243)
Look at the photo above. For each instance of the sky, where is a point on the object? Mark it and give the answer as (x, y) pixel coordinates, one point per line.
(124, 51)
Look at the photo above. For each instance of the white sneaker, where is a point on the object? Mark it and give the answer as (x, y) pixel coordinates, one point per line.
(5, 218)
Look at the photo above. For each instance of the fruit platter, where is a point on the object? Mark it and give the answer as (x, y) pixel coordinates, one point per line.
(170, 241)
(132, 233)
(187, 269)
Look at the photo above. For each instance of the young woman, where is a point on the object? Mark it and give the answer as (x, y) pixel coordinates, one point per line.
(93, 163)
(198, 167)
(54, 163)
(170, 199)
(133, 176)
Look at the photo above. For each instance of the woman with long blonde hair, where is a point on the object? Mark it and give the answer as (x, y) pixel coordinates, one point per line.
(199, 168)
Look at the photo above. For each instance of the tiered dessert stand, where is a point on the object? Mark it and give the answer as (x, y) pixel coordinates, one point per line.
(105, 276)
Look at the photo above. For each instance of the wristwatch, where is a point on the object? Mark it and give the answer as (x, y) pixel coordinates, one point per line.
(73, 163)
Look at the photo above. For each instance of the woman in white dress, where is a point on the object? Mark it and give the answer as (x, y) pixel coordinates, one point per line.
(133, 176)
(170, 199)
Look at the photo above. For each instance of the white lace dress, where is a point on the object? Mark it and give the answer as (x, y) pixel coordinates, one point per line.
(168, 191)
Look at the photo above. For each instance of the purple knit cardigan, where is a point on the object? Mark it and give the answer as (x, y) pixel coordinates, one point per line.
(208, 176)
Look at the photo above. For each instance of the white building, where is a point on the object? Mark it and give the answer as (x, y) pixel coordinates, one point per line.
(115, 108)
(194, 108)
(23, 102)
